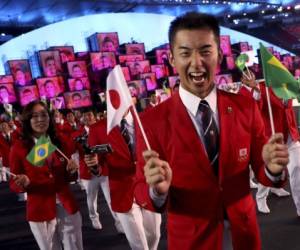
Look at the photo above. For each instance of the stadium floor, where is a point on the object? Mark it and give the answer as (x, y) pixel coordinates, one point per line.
(280, 229)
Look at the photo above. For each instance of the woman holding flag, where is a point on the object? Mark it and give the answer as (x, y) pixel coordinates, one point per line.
(39, 169)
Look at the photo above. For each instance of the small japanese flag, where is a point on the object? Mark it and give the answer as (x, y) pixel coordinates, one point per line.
(117, 96)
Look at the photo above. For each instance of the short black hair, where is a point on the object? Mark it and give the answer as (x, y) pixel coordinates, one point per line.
(193, 21)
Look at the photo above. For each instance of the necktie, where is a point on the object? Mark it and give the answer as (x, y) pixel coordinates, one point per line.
(210, 134)
(125, 134)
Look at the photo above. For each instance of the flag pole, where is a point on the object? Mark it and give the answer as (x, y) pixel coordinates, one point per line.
(62, 154)
(8, 172)
(141, 127)
(249, 74)
(270, 111)
(246, 74)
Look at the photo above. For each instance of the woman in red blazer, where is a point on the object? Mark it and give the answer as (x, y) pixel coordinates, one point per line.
(51, 207)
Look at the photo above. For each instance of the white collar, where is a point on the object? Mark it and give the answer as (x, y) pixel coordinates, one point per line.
(191, 101)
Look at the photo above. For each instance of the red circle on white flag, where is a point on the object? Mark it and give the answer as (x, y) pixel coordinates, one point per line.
(114, 98)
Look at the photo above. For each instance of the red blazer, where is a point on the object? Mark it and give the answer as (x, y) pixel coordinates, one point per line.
(5, 147)
(84, 172)
(45, 184)
(284, 116)
(121, 167)
(197, 198)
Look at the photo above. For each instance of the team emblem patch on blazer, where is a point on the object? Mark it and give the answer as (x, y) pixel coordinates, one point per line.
(243, 154)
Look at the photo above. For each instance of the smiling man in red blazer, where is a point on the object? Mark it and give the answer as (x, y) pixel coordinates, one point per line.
(204, 193)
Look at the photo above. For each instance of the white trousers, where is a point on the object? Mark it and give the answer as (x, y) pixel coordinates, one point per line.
(142, 228)
(3, 175)
(294, 173)
(43, 233)
(63, 232)
(92, 188)
(227, 239)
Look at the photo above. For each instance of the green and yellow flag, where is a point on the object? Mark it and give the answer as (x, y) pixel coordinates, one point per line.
(241, 60)
(41, 150)
(283, 83)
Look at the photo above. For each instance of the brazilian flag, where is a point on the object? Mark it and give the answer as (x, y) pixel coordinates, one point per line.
(241, 60)
(41, 150)
(283, 83)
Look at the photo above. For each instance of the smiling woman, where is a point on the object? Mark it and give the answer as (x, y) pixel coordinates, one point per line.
(47, 183)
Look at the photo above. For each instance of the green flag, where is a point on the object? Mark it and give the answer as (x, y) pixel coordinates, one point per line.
(41, 150)
(241, 60)
(283, 83)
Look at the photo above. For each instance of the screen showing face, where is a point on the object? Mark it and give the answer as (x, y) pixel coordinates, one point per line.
(77, 69)
(108, 42)
(133, 89)
(297, 73)
(78, 84)
(244, 46)
(223, 79)
(21, 72)
(51, 63)
(78, 99)
(225, 45)
(6, 79)
(162, 56)
(173, 80)
(7, 93)
(135, 48)
(102, 60)
(50, 87)
(149, 80)
(159, 70)
(28, 94)
(126, 73)
(66, 53)
(137, 68)
(288, 61)
(58, 102)
(230, 62)
(137, 88)
(123, 59)
(162, 95)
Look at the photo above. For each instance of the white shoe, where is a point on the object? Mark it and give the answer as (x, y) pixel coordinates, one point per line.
(280, 192)
(96, 224)
(253, 184)
(262, 206)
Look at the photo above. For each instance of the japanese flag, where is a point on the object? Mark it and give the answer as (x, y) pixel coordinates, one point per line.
(117, 96)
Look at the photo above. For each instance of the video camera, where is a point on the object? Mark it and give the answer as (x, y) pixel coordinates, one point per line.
(97, 149)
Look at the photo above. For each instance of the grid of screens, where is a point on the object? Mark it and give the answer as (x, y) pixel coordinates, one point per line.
(75, 79)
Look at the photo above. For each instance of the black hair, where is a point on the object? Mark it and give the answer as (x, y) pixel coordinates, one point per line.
(27, 132)
(193, 21)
